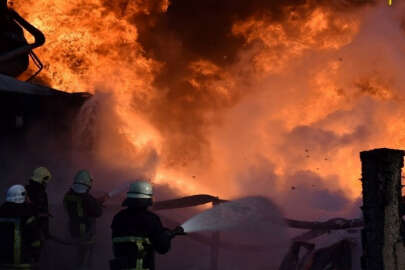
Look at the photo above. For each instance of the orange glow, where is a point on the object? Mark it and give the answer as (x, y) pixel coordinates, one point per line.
(287, 41)
(309, 74)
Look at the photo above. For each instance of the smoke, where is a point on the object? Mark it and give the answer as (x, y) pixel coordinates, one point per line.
(100, 133)
(256, 97)
(231, 98)
(201, 100)
(203, 45)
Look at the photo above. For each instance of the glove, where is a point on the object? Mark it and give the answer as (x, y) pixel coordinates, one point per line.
(177, 231)
(101, 200)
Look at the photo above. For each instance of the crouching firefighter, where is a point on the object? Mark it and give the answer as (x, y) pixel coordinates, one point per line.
(83, 210)
(19, 232)
(137, 233)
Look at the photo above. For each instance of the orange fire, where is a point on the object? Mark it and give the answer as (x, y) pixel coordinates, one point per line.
(300, 97)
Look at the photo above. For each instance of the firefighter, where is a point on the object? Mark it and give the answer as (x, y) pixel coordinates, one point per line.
(36, 191)
(83, 210)
(137, 233)
(38, 197)
(19, 232)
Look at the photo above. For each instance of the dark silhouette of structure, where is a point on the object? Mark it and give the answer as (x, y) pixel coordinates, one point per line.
(14, 48)
(36, 123)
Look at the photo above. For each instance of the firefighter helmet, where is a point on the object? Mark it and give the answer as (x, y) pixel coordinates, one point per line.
(41, 175)
(82, 181)
(16, 194)
(140, 189)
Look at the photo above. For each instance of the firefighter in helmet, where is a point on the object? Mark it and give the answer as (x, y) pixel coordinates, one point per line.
(20, 232)
(83, 210)
(137, 233)
(36, 191)
(38, 197)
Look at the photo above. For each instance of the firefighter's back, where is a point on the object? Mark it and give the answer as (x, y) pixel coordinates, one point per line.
(137, 233)
(82, 210)
(20, 236)
(133, 231)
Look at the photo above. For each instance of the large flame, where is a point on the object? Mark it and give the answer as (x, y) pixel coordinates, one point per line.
(300, 97)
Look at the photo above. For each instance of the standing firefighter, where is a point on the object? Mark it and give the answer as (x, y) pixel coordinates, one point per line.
(36, 191)
(19, 232)
(137, 233)
(83, 209)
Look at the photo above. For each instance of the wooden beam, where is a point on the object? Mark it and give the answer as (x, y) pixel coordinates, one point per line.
(383, 248)
(331, 224)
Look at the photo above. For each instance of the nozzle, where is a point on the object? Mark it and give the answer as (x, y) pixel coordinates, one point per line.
(101, 200)
(178, 231)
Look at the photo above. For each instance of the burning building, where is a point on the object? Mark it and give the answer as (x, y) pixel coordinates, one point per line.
(35, 120)
(231, 98)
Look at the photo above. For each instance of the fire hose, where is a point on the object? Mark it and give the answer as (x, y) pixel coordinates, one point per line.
(63, 241)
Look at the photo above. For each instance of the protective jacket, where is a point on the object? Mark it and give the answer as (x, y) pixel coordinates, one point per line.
(39, 199)
(136, 234)
(20, 236)
(12, 37)
(83, 209)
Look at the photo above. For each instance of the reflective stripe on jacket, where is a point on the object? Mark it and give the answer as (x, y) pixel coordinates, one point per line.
(20, 234)
(135, 223)
(143, 246)
(82, 209)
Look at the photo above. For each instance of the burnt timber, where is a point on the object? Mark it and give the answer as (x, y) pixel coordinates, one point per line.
(382, 241)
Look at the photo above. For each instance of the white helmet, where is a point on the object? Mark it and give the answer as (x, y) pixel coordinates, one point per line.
(140, 190)
(16, 194)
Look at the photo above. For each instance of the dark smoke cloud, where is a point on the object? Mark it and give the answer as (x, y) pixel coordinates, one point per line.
(300, 194)
(203, 28)
(313, 190)
(323, 141)
(355, 210)
(257, 178)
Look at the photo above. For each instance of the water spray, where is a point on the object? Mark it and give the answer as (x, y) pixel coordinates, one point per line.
(118, 190)
(113, 193)
(243, 214)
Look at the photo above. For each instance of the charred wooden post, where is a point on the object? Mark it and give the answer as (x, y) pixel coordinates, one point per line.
(383, 248)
